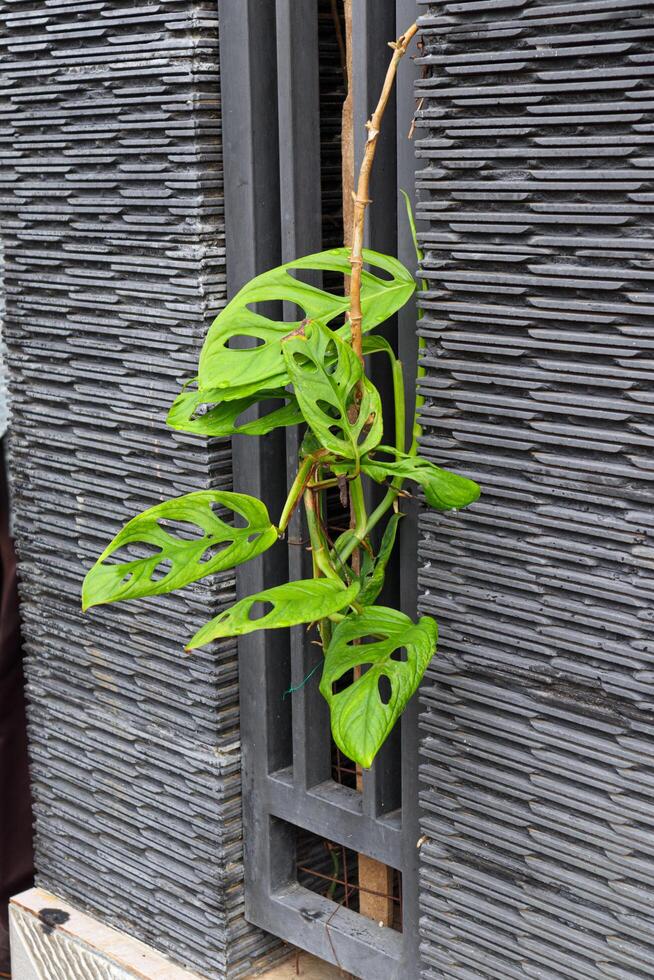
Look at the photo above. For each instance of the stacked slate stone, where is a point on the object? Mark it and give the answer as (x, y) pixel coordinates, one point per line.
(535, 138)
(4, 404)
(112, 229)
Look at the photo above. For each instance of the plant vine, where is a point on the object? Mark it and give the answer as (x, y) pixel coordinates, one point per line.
(313, 373)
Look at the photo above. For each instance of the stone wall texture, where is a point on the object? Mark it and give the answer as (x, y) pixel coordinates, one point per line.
(112, 222)
(535, 145)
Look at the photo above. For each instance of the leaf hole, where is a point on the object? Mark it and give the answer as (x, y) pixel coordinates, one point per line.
(310, 277)
(254, 536)
(132, 551)
(385, 689)
(246, 341)
(304, 362)
(352, 407)
(347, 679)
(363, 434)
(337, 687)
(213, 551)
(162, 570)
(201, 410)
(377, 271)
(331, 357)
(328, 409)
(384, 457)
(337, 321)
(181, 529)
(293, 313)
(400, 655)
(259, 609)
(362, 640)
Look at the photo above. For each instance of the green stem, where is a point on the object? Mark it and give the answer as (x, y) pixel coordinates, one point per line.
(420, 401)
(359, 535)
(296, 491)
(377, 345)
(325, 484)
(420, 373)
(400, 407)
(364, 525)
(319, 548)
(358, 507)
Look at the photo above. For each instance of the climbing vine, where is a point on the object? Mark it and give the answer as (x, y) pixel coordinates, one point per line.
(312, 373)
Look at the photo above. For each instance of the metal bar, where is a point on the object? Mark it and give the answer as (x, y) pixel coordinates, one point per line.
(300, 201)
(407, 12)
(340, 936)
(299, 126)
(407, 342)
(373, 26)
(336, 812)
(252, 232)
(274, 214)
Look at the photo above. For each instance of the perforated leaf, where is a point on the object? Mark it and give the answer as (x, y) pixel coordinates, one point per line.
(443, 490)
(241, 372)
(175, 543)
(326, 373)
(204, 412)
(284, 605)
(364, 712)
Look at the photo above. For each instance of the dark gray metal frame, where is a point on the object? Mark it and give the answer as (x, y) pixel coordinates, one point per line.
(269, 58)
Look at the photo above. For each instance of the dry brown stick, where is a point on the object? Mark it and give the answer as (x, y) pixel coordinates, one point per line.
(361, 199)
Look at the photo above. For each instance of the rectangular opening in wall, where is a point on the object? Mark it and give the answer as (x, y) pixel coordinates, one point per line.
(333, 871)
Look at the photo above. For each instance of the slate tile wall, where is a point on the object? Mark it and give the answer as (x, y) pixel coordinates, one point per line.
(535, 145)
(112, 223)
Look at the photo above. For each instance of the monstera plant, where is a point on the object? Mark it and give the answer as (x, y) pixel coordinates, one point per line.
(311, 373)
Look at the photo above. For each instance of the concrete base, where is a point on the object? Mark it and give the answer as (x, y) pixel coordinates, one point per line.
(51, 940)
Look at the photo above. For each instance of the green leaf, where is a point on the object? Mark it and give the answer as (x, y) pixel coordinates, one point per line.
(326, 373)
(420, 372)
(373, 579)
(292, 604)
(175, 543)
(412, 226)
(309, 444)
(340, 544)
(377, 344)
(443, 490)
(204, 412)
(364, 712)
(239, 372)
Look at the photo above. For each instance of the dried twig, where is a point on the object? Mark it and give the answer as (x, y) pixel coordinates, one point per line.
(361, 199)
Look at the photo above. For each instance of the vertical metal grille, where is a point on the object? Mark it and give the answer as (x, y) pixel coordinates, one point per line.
(288, 774)
(535, 139)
